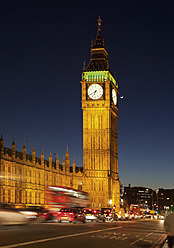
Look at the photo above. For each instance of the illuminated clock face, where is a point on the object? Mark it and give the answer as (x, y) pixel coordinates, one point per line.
(95, 91)
(114, 96)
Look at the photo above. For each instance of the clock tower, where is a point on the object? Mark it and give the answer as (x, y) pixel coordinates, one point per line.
(100, 130)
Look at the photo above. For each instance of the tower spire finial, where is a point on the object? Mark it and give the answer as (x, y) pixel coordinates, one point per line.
(99, 22)
(84, 65)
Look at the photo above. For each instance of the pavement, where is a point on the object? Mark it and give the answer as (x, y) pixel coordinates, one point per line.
(165, 245)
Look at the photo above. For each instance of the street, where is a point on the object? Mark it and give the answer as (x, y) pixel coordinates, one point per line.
(125, 234)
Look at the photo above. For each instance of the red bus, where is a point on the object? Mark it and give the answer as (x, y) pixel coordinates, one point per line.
(135, 208)
(57, 197)
(139, 208)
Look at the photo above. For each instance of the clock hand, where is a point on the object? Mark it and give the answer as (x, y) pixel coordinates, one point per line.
(93, 93)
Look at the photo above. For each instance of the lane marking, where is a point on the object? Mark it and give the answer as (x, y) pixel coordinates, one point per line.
(160, 240)
(149, 234)
(56, 238)
(136, 241)
(112, 237)
(125, 238)
(105, 236)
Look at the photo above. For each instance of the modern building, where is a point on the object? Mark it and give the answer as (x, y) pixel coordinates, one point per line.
(23, 177)
(161, 200)
(165, 200)
(139, 195)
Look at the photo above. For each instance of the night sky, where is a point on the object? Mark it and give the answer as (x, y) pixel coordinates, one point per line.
(43, 45)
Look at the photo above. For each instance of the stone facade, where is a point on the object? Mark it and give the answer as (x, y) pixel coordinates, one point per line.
(23, 177)
(100, 130)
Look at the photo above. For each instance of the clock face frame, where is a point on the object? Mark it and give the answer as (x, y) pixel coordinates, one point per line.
(114, 97)
(95, 91)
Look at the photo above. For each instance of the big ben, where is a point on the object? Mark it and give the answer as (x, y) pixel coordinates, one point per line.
(100, 130)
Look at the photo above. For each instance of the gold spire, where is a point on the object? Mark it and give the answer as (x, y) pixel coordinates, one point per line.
(13, 142)
(1, 137)
(57, 156)
(99, 22)
(67, 149)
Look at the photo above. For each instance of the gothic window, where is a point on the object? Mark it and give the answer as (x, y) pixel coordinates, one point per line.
(20, 174)
(80, 187)
(29, 197)
(29, 175)
(20, 196)
(9, 195)
(39, 197)
(3, 195)
(15, 195)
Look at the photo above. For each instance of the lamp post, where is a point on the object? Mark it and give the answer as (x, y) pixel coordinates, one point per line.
(157, 198)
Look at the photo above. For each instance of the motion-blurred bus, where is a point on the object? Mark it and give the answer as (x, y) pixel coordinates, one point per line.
(139, 208)
(57, 197)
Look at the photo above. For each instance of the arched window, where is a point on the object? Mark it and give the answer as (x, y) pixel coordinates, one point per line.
(3, 198)
(9, 195)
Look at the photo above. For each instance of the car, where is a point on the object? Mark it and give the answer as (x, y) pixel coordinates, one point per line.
(100, 216)
(160, 216)
(71, 215)
(135, 215)
(89, 215)
(36, 214)
(10, 216)
(107, 212)
(124, 215)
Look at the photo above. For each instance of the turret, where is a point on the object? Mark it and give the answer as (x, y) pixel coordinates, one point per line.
(13, 150)
(74, 166)
(50, 161)
(24, 152)
(67, 163)
(63, 164)
(34, 155)
(1, 147)
(57, 163)
(42, 158)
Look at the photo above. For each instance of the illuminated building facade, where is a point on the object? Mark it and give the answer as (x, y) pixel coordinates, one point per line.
(23, 177)
(100, 130)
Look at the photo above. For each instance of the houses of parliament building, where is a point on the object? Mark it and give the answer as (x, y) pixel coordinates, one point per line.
(23, 177)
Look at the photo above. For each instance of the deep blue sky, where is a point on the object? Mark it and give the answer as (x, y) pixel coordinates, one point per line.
(42, 48)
